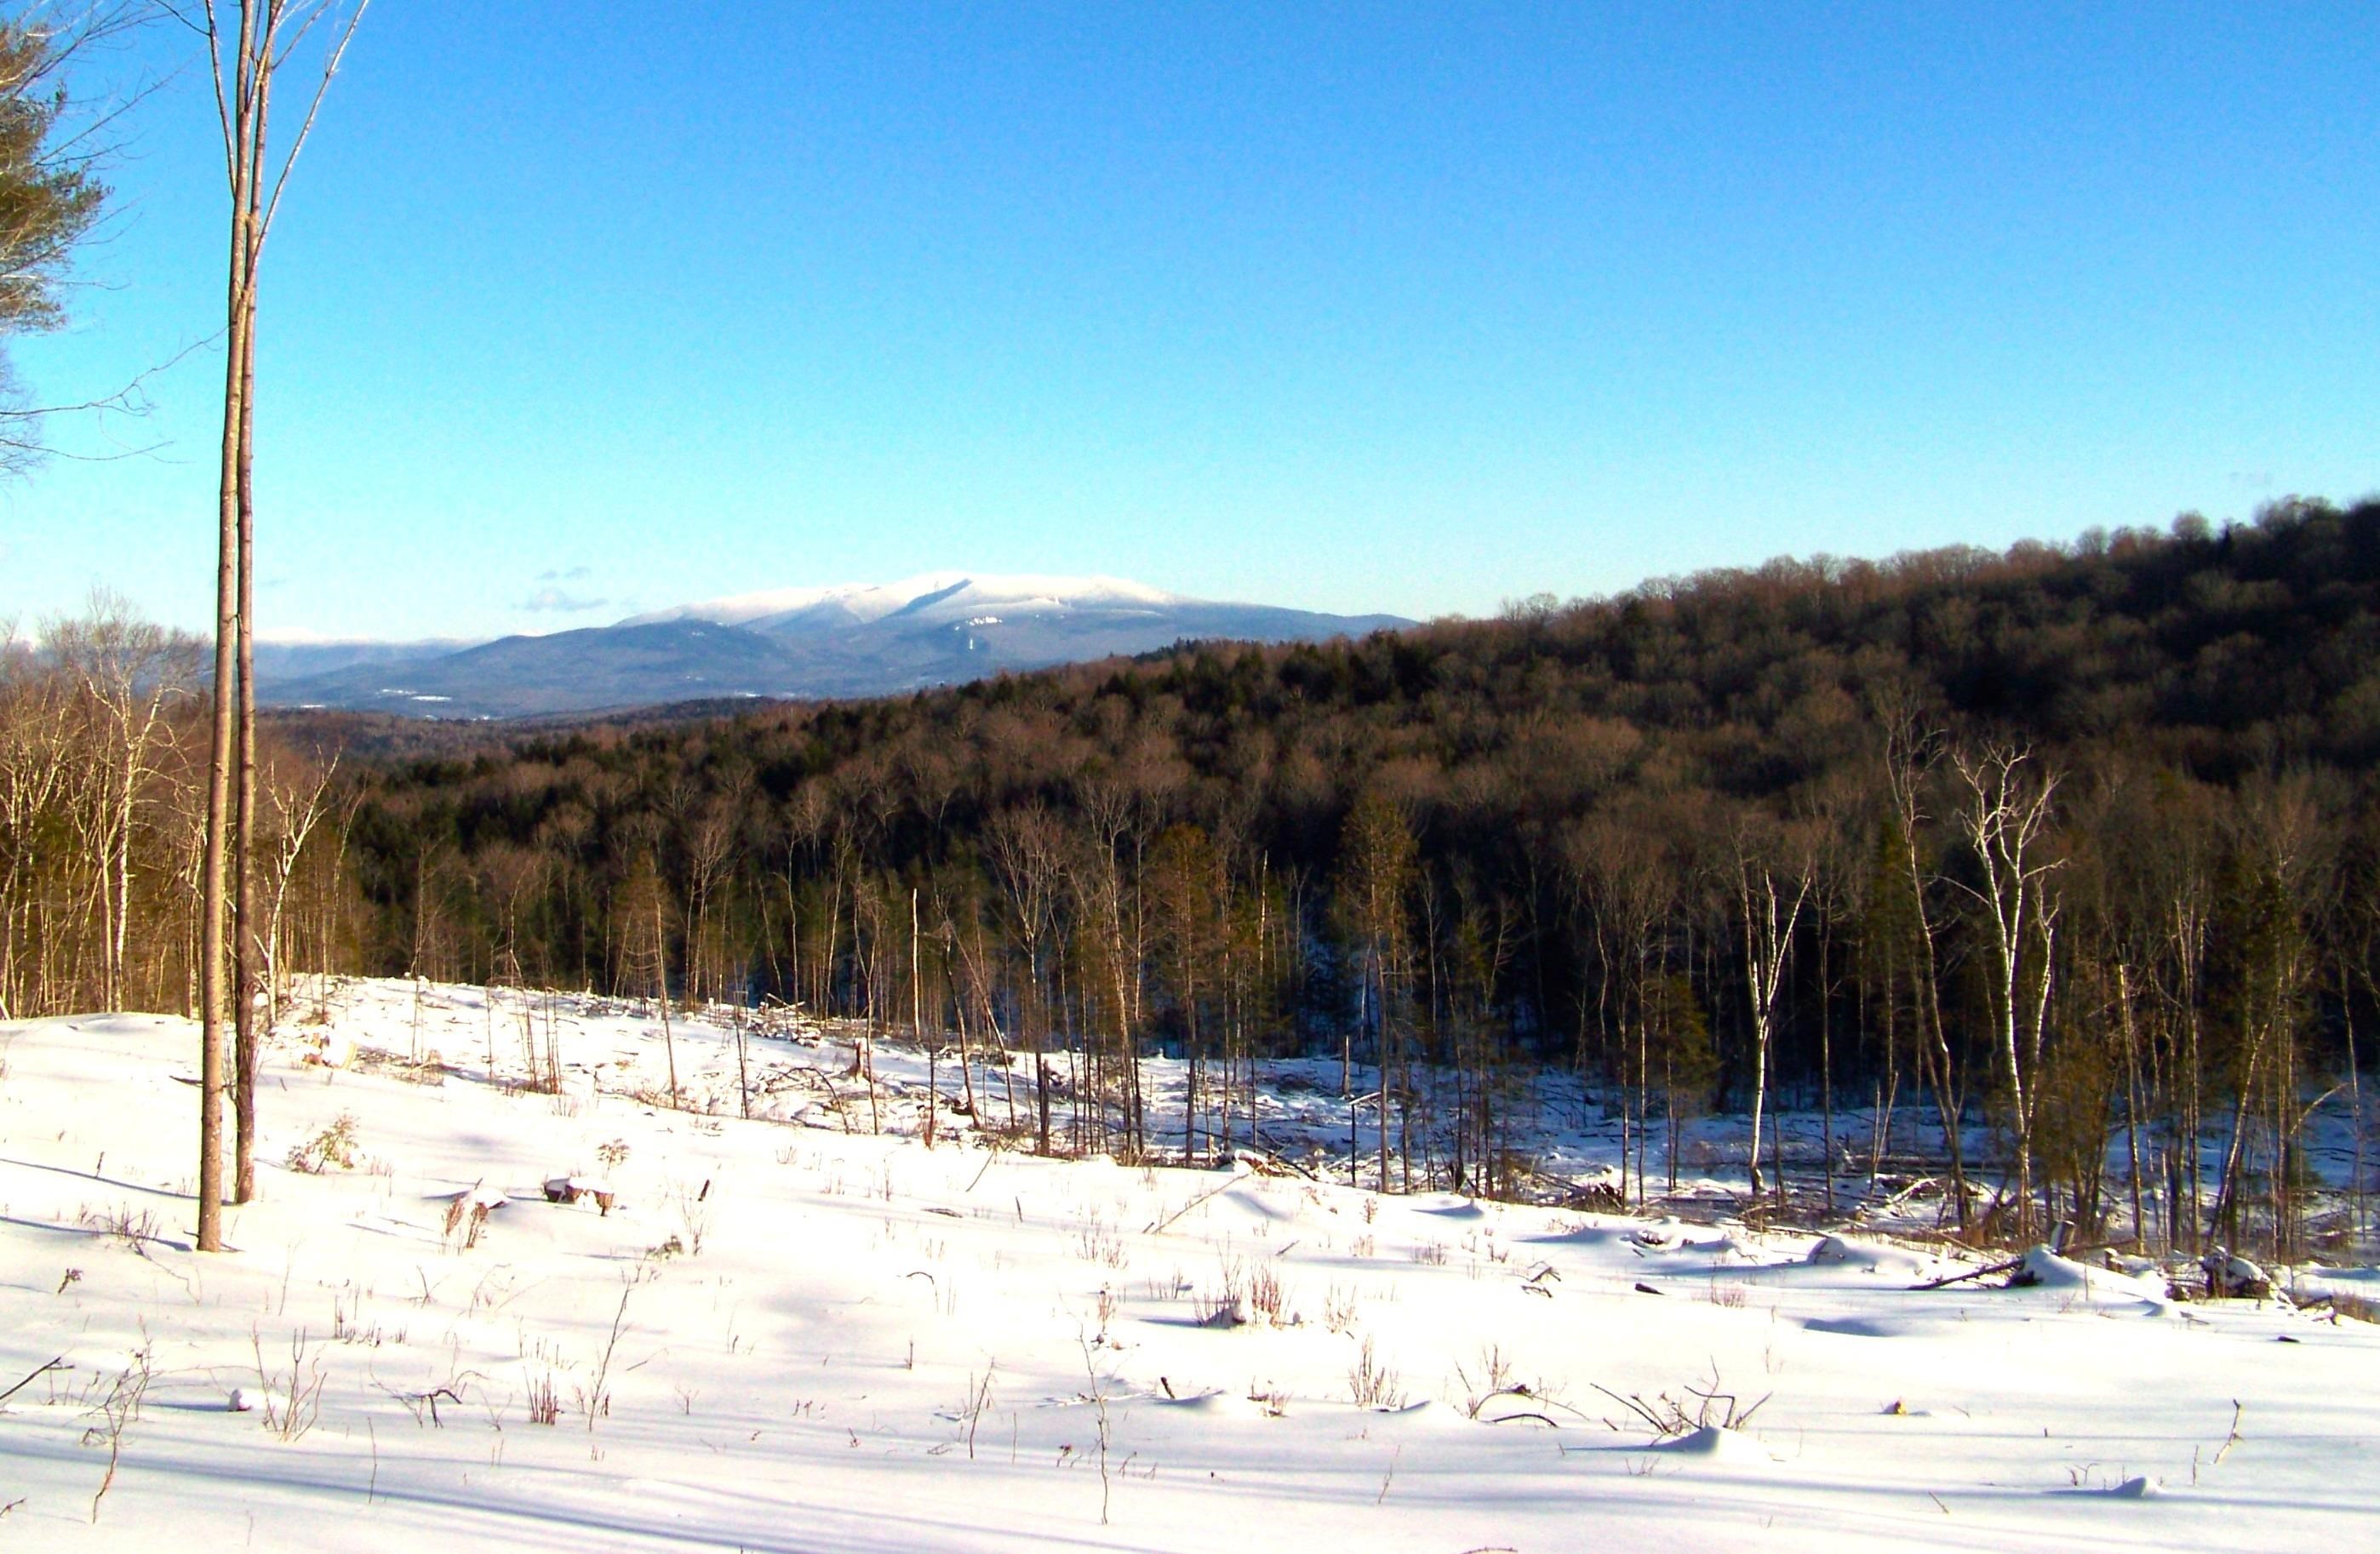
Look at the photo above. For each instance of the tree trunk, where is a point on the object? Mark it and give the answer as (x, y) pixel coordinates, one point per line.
(917, 1019)
(215, 903)
(661, 986)
(248, 955)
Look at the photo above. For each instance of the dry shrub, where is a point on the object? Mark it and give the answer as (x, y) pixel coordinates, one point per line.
(334, 1147)
(1374, 1385)
(466, 1221)
(1266, 1298)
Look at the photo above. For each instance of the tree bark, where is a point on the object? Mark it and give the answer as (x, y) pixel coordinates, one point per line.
(248, 955)
(217, 904)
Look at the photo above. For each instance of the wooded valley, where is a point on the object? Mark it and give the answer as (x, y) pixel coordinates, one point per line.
(2076, 844)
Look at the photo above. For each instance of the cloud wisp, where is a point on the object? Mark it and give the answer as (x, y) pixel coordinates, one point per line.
(553, 600)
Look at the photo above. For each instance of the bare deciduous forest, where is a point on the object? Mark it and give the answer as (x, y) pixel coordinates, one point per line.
(2056, 870)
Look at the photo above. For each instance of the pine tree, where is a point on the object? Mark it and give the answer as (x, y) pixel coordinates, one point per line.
(50, 198)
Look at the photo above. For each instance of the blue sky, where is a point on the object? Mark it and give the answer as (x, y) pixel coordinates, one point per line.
(1369, 306)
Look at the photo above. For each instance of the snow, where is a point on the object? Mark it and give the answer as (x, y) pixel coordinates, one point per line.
(813, 1336)
(744, 608)
(1874, 1256)
(2314, 1281)
(1718, 1443)
(2046, 1270)
(953, 597)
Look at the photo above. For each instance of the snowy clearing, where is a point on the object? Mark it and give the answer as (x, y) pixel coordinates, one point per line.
(510, 1318)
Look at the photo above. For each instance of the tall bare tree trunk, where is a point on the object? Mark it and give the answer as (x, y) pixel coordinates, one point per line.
(1769, 924)
(241, 147)
(244, 63)
(661, 986)
(1908, 756)
(248, 954)
(211, 936)
(918, 1020)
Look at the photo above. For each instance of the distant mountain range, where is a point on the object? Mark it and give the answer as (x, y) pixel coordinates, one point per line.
(851, 641)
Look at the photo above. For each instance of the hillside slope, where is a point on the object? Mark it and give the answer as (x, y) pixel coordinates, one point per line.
(790, 1337)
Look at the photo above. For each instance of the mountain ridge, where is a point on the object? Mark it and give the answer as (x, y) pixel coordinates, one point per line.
(769, 608)
(836, 640)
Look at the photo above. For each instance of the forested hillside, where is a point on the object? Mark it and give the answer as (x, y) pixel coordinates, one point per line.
(2078, 843)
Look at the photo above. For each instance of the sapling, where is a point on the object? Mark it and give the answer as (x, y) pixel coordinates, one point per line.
(977, 1402)
(291, 1406)
(1098, 1401)
(594, 1399)
(117, 1411)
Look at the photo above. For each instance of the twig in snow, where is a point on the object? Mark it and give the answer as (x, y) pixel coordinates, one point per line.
(58, 1363)
(1202, 1197)
(2009, 1266)
(2225, 1448)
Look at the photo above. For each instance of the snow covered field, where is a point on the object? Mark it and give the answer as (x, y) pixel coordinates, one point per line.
(790, 1333)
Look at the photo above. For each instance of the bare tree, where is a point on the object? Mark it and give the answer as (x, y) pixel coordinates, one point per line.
(1182, 887)
(1376, 862)
(299, 803)
(129, 671)
(1027, 852)
(2005, 817)
(1775, 872)
(1909, 758)
(1629, 885)
(35, 762)
(248, 45)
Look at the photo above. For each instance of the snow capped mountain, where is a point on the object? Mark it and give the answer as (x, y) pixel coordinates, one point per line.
(742, 608)
(847, 639)
(930, 597)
